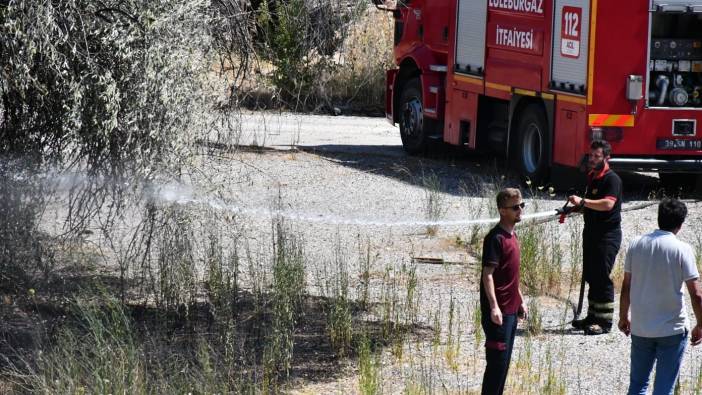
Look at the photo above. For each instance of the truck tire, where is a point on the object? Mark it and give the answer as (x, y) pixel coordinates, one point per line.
(676, 184)
(413, 128)
(533, 148)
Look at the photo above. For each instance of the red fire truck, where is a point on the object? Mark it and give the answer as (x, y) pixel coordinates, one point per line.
(535, 81)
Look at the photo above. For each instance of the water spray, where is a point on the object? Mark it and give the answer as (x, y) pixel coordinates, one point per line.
(172, 196)
(177, 193)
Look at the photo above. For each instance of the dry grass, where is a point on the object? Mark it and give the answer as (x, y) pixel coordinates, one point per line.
(352, 80)
(358, 81)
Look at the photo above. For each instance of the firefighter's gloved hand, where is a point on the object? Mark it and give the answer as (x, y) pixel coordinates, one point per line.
(564, 210)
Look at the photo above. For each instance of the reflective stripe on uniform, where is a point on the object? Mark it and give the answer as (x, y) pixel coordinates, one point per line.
(604, 316)
(601, 310)
(606, 306)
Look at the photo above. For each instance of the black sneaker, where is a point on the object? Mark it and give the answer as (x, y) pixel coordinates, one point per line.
(582, 324)
(596, 329)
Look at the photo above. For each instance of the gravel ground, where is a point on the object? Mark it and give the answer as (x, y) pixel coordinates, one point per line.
(341, 182)
(347, 180)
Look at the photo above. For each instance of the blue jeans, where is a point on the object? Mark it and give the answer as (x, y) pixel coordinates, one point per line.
(667, 352)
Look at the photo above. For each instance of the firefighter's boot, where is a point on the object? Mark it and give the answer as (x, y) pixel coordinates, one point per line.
(602, 313)
(597, 329)
(583, 323)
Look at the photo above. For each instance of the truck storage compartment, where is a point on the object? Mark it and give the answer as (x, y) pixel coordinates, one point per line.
(675, 60)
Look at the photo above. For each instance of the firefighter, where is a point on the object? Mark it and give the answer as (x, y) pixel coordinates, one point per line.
(602, 237)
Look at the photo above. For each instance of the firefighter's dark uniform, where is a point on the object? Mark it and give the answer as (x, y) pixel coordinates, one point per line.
(602, 237)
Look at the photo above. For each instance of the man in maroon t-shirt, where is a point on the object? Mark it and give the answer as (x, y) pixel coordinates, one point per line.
(501, 301)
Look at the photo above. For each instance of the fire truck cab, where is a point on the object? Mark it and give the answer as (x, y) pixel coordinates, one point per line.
(535, 81)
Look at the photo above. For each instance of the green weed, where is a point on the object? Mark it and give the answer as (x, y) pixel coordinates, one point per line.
(369, 369)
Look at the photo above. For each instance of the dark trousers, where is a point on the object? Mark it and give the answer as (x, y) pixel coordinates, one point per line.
(600, 250)
(499, 341)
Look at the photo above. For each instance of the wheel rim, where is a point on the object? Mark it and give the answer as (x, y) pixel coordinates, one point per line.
(532, 148)
(412, 118)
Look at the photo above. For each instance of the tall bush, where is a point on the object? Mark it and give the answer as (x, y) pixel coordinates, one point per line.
(300, 39)
(111, 90)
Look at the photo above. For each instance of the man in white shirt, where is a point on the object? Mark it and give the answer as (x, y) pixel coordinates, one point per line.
(657, 264)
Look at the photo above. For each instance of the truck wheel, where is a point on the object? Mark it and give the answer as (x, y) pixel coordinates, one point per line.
(676, 184)
(412, 125)
(533, 149)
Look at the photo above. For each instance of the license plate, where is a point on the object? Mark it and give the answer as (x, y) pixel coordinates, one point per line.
(677, 144)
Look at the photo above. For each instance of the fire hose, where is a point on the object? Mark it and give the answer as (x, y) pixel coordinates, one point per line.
(563, 213)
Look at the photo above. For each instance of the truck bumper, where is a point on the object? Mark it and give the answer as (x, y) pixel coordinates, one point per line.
(659, 165)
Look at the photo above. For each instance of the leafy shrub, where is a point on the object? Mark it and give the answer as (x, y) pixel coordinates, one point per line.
(110, 90)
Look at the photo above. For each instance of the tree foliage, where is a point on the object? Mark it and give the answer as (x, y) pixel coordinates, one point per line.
(113, 90)
(114, 93)
(300, 38)
(103, 85)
